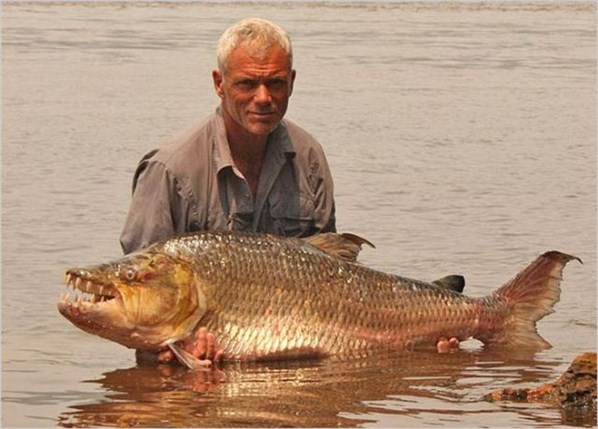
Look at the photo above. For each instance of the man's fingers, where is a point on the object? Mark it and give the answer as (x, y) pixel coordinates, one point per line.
(210, 346)
(200, 346)
(165, 356)
(442, 346)
(202, 333)
(447, 345)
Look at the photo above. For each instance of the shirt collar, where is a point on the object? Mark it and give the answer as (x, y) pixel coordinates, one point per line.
(279, 145)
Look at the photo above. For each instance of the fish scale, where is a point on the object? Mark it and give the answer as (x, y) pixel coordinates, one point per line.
(267, 297)
(370, 310)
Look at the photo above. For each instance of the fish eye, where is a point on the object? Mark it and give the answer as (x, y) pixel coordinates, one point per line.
(130, 274)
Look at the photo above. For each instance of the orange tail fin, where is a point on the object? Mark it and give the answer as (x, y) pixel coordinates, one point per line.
(531, 295)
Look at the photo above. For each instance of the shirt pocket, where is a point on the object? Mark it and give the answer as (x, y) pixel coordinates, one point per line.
(292, 214)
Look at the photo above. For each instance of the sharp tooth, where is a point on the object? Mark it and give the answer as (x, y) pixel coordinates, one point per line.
(78, 283)
(67, 278)
(101, 291)
(88, 286)
(93, 298)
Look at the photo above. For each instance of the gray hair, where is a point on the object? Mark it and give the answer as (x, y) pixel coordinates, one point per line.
(257, 34)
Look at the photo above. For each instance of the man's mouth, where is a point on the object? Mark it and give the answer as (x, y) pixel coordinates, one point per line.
(262, 114)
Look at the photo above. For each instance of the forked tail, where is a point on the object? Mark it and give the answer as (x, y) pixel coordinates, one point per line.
(530, 296)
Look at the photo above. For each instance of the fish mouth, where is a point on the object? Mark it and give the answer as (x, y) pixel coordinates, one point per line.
(82, 292)
(94, 304)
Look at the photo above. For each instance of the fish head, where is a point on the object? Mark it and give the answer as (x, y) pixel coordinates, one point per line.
(143, 301)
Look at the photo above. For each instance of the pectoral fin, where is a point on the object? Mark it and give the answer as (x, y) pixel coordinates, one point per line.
(188, 359)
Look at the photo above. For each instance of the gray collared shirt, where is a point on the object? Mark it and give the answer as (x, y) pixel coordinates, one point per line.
(191, 184)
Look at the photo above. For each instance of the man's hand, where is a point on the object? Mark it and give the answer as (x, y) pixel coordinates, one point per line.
(447, 346)
(202, 345)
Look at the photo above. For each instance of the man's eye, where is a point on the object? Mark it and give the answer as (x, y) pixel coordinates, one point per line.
(246, 84)
(276, 84)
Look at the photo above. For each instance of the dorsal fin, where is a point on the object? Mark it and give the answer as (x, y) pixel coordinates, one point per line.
(345, 246)
(454, 282)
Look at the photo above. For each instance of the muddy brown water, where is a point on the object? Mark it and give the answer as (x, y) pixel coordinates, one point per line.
(462, 139)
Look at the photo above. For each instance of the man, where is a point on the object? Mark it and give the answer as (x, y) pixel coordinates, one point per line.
(243, 168)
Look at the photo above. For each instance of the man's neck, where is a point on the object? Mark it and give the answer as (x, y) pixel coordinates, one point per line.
(248, 152)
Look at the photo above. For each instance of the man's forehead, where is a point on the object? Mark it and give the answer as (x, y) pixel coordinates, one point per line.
(260, 74)
(246, 57)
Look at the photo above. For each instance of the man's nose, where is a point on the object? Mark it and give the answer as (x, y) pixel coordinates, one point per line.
(262, 94)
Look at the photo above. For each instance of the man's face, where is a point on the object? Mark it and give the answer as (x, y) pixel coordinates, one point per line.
(255, 90)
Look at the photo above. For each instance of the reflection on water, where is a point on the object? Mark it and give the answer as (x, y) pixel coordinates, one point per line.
(324, 393)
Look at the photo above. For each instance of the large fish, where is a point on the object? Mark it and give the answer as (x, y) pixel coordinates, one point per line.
(268, 297)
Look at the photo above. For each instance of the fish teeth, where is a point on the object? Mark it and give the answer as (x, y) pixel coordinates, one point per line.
(80, 290)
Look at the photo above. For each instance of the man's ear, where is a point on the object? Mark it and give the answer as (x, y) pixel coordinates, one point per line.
(217, 79)
(293, 75)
